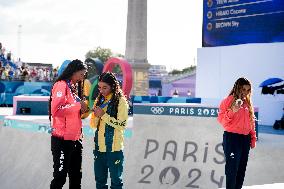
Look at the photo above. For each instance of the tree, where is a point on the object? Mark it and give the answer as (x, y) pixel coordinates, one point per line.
(104, 54)
(189, 69)
(100, 53)
(184, 70)
(175, 72)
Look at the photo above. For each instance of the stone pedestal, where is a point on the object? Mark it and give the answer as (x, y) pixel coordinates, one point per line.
(140, 77)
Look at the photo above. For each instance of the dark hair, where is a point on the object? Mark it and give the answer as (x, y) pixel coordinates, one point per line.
(236, 90)
(110, 79)
(238, 86)
(73, 67)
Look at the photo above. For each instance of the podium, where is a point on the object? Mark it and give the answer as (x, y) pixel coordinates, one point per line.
(30, 105)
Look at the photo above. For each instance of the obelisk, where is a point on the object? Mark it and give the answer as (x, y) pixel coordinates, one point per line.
(136, 46)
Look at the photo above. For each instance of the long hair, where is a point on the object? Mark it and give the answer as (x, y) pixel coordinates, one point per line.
(110, 79)
(73, 67)
(236, 90)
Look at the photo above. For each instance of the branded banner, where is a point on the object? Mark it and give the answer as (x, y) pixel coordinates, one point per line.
(177, 110)
(175, 147)
(232, 22)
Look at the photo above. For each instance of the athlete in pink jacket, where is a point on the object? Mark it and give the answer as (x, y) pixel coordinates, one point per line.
(237, 122)
(236, 115)
(65, 113)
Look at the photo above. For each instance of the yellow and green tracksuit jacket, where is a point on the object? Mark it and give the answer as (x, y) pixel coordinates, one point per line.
(110, 130)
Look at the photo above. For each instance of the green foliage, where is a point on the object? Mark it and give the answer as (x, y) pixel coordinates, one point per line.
(185, 70)
(175, 72)
(100, 53)
(103, 54)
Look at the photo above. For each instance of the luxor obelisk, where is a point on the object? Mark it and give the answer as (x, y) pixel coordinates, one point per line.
(136, 45)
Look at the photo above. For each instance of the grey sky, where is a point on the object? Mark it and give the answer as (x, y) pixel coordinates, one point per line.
(53, 31)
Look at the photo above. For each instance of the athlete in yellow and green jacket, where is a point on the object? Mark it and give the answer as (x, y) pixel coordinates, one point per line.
(109, 136)
(109, 118)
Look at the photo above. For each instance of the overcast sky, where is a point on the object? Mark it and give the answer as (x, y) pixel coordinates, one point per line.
(53, 31)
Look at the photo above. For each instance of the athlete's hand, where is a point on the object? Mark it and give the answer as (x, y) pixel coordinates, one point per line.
(253, 144)
(98, 112)
(84, 107)
(236, 105)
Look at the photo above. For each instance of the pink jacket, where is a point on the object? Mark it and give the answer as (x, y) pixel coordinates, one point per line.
(238, 122)
(65, 111)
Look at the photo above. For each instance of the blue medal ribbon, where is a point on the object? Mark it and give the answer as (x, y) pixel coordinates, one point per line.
(104, 104)
(72, 94)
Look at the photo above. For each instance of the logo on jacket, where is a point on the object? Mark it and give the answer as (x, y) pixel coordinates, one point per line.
(157, 110)
(59, 94)
(117, 162)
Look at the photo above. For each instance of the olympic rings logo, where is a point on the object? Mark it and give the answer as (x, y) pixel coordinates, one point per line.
(157, 110)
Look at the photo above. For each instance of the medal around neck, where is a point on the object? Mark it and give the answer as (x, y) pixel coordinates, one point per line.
(239, 102)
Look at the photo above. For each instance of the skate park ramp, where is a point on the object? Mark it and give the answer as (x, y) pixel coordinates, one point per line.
(26, 160)
(170, 146)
